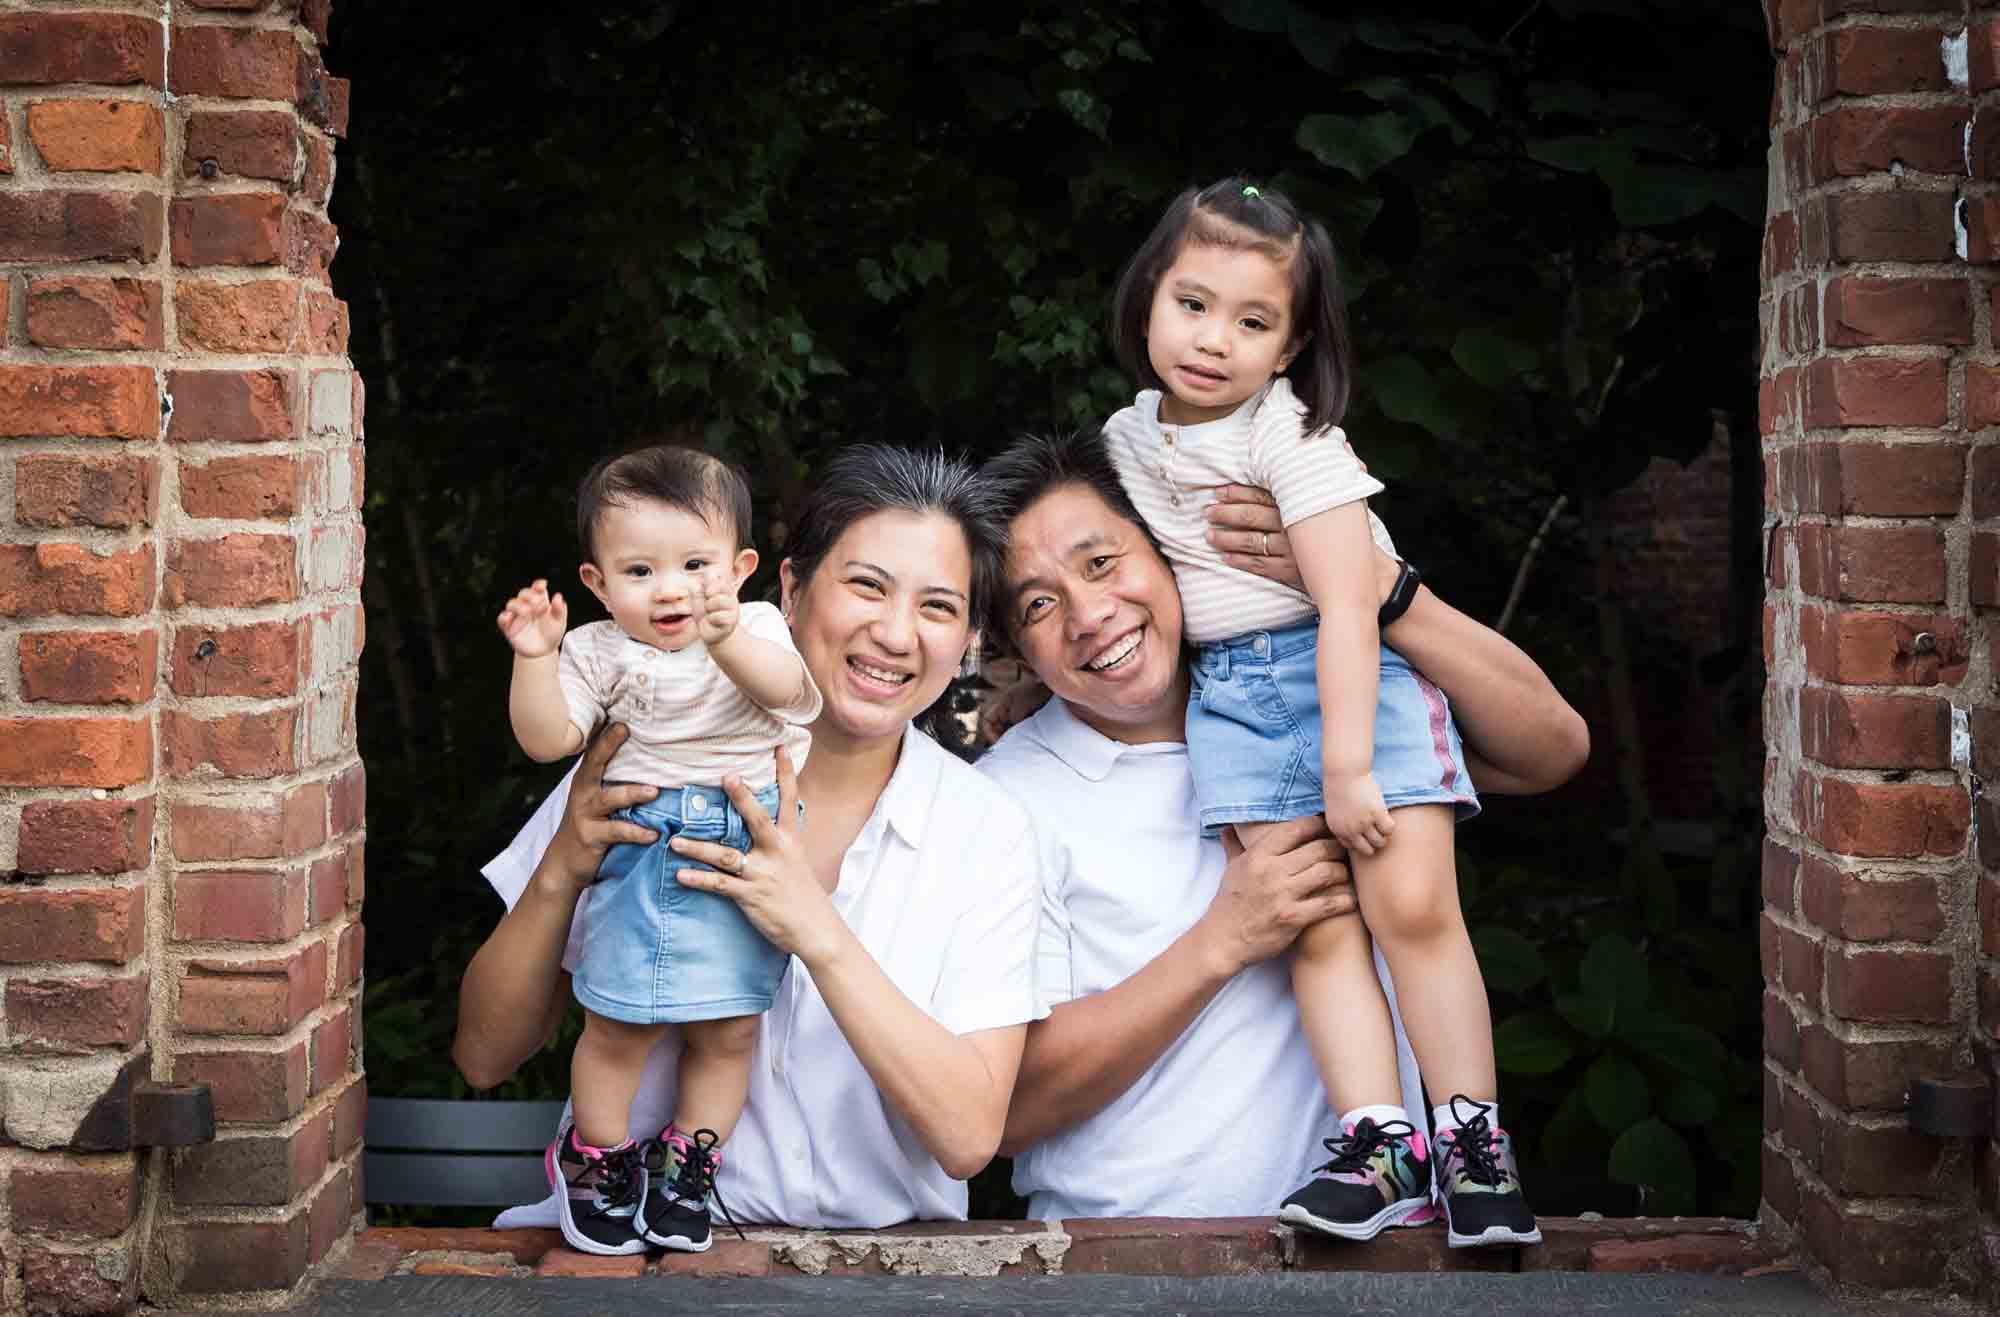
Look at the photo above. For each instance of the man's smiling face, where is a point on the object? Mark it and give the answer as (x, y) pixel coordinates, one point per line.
(1095, 612)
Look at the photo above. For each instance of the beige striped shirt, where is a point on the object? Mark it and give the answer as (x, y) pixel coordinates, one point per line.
(690, 723)
(1171, 471)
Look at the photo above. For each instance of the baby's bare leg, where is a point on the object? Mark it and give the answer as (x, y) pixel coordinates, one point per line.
(604, 1076)
(1342, 1009)
(715, 1074)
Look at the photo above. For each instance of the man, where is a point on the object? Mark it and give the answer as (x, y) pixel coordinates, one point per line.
(1171, 1077)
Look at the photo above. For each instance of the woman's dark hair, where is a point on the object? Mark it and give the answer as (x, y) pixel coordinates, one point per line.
(695, 482)
(1236, 214)
(864, 479)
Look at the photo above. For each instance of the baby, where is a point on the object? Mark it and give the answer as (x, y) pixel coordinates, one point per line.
(709, 687)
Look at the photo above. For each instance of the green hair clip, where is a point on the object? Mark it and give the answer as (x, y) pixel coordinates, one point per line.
(1251, 192)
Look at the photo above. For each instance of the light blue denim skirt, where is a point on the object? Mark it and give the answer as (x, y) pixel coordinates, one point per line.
(655, 952)
(1254, 732)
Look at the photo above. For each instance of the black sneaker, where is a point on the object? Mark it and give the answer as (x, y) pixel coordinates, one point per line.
(682, 1176)
(599, 1191)
(1380, 1177)
(1483, 1203)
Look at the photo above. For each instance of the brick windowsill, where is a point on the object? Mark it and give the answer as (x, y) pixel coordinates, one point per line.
(1139, 1246)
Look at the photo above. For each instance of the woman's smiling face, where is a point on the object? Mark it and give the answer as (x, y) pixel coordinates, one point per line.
(1095, 612)
(884, 621)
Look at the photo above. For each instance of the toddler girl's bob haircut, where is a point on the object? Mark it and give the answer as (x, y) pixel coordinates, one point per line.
(1235, 213)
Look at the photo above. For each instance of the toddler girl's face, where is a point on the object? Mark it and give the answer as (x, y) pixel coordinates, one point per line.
(654, 566)
(1221, 327)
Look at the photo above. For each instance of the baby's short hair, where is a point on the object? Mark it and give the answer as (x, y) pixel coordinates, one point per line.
(686, 478)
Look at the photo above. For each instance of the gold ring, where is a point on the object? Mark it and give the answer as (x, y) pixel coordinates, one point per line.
(1264, 538)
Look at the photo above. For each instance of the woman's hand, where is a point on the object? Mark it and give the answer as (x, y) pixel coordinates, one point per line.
(773, 884)
(587, 829)
(1243, 526)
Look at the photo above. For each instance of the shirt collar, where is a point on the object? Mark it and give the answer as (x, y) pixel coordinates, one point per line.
(908, 799)
(1149, 400)
(1088, 752)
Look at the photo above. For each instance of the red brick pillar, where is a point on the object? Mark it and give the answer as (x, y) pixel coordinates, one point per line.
(180, 555)
(1876, 394)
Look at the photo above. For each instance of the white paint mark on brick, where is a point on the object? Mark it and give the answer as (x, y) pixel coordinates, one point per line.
(1958, 227)
(332, 406)
(1961, 738)
(1965, 143)
(1954, 60)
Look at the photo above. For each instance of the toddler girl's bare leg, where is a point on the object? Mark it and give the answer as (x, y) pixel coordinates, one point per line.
(1409, 896)
(1342, 1009)
(715, 1074)
(604, 1076)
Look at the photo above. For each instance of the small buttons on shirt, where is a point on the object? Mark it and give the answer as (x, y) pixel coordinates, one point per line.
(1174, 499)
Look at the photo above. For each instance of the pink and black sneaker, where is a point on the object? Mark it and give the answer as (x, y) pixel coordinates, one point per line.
(599, 1191)
(1481, 1186)
(1379, 1177)
(682, 1171)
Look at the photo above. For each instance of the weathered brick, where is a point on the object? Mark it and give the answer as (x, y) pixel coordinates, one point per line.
(261, 660)
(1780, 867)
(310, 243)
(328, 887)
(80, 226)
(1878, 480)
(1866, 391)
(86, 836)
(249, 1087)
(1888, 649)
(6, 169)
(246, 63)
(1982, 569)
(1804, 965)
(1864, 312)
(1889, 986)
(331, 1213)
(98, 1197)
(350, 1115)
(53, 1282)
(326, 324)
(40, 579)
(115, 49)
(224, 1256)
(230, 406)
(1781, 1032)
(242, 488)
(1873, 1252)
(251, 317)
(1894, 564)
(75, 752)
(243, 828)
(238, 905)
(1888, 820)
(1780, 1183)
(75, 1014)
(317, 184)
(54, 490)
(1873, 61)
(1844, 729)
(92, 402)
(1865, 910)
(232, 571)
(73, 311)
(1851, 141)
(1863, 1075)
(1880, 1162)
(332, 1046)
(98, 136)
(1800, 1123)
(231, 744)
(348, 957)
(350, 798)
(246, 143)
(234, 229)
(252, 997)
(1901, 225)
(89, 667)
(102, 924)
(1983, 55)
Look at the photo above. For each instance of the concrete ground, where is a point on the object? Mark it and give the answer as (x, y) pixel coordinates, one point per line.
(1277, 1295)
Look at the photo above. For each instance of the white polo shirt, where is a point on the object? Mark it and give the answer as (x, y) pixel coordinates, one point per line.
(943, 888)
(1229, 1119)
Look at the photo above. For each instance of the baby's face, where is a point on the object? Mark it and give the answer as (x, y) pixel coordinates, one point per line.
(1220, 328)
(654, 564)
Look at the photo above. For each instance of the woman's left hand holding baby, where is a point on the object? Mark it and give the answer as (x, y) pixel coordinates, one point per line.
(774, 883)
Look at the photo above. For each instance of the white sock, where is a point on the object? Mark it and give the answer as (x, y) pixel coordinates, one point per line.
(1381, 1113)
(1443, 1119)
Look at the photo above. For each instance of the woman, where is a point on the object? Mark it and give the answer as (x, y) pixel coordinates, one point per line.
(908, 896)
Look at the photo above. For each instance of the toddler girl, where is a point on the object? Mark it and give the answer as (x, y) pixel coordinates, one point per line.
(708, 687)
(1232, 313)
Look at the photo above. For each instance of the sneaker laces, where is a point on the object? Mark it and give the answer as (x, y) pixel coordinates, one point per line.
(1476, 1143)
(616, 1178)
(1352, 1152)
(695, 1180)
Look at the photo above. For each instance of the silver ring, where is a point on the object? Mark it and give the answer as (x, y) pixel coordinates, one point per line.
(1264, 539)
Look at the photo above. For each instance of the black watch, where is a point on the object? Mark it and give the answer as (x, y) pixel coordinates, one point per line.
(1401, 595)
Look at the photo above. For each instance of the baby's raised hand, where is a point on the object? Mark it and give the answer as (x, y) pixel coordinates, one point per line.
(534, 621)
(1355, 814)
(715, 610)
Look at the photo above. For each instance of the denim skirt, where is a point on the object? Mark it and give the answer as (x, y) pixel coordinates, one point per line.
(1254, 732)
(655, 952)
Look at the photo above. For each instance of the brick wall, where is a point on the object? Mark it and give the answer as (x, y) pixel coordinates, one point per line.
(1879, 387)
(180, 552)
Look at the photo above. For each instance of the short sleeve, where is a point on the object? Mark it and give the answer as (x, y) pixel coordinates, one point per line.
(1306, 475)
(585, 688)
(766, 623)
(989, 976)
(510, 870)
(1054, 985)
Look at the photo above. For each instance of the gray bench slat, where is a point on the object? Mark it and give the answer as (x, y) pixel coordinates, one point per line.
(452, 1181)
(435, 1125)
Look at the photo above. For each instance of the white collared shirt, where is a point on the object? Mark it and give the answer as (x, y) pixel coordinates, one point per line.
(1229, 1119)
(943, 888)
